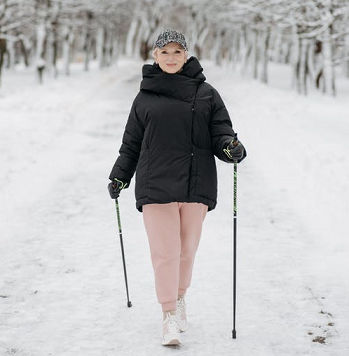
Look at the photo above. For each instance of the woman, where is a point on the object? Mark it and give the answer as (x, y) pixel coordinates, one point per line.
(177, 123)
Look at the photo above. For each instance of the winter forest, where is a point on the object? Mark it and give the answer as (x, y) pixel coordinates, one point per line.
(310, 36)
(69, 74)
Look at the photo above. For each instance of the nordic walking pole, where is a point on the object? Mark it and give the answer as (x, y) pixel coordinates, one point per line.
(129, 304)
(235, 178)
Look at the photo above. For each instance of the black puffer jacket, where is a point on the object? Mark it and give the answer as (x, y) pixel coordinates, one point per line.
(176, 125)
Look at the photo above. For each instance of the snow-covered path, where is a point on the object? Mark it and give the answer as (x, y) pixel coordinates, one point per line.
(61, 279)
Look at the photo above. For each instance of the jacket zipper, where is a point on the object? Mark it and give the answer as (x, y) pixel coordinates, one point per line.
(191, 136)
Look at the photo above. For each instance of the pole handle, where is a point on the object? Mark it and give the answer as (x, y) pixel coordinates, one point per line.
(235, 141)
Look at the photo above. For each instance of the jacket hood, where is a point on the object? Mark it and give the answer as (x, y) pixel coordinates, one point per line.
(182, 85)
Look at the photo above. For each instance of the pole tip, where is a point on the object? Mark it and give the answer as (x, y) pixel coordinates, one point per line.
(234, 334)
(129, 304)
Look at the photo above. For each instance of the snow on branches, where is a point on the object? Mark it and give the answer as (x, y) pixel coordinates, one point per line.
(311, 36)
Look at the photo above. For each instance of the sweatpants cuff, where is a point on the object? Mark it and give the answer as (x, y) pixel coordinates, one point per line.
(182, 291)
(169, 306)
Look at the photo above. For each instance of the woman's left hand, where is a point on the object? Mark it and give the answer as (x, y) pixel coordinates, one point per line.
(235, 150)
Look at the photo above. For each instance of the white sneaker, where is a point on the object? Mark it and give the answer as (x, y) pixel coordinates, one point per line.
(181, 315)
(171, 332)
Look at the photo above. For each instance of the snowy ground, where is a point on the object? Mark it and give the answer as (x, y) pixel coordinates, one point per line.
(61, 279)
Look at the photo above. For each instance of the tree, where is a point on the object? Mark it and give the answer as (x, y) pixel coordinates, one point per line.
(310, 36)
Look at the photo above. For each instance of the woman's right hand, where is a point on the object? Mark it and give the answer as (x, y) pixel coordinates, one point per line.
(115, 187)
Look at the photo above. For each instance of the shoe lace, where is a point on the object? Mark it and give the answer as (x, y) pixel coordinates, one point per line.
(181, 308)
(171, 324)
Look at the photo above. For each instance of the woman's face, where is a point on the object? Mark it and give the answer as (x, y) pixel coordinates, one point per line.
(171, 57)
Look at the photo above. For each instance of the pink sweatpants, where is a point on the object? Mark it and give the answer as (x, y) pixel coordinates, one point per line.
(174, 231)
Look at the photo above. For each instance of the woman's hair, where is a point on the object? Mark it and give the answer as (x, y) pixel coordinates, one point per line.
(154, 51)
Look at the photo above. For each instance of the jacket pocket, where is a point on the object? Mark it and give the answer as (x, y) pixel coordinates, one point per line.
(206, 174)
(141, 190)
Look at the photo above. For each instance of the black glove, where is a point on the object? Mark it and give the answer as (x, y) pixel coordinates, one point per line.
(115, 187)
(235, 150)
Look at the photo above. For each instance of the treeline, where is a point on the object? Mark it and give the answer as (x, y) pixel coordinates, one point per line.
(39, 32)
(311, 36)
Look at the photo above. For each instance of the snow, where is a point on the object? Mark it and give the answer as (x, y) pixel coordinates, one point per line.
(62, 287)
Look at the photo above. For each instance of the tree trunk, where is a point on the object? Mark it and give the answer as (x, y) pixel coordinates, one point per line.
(115, 52)
(66, 51)
(87, 37)
(278, 55)
(200, 44)
(25, 50)
(53, 46)
(137, 45)
(295, 57)
(303, 66)
(40, 39)
(255, 54)
(55, 53)
(40, 49)
(216, 50)
(329, 77)
(235, 54)
(2, 54)
(11, 57)
(109, 48)
(346, 55)
(101, 49)
(130, 37)
(68, 40)
(346, 50)
(49, 53)
(265, 55)
(247, 47)
(87, 50)
(328, 72)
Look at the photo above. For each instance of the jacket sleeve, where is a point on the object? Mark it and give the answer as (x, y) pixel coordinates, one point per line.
(125, 165)
(220, 126)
